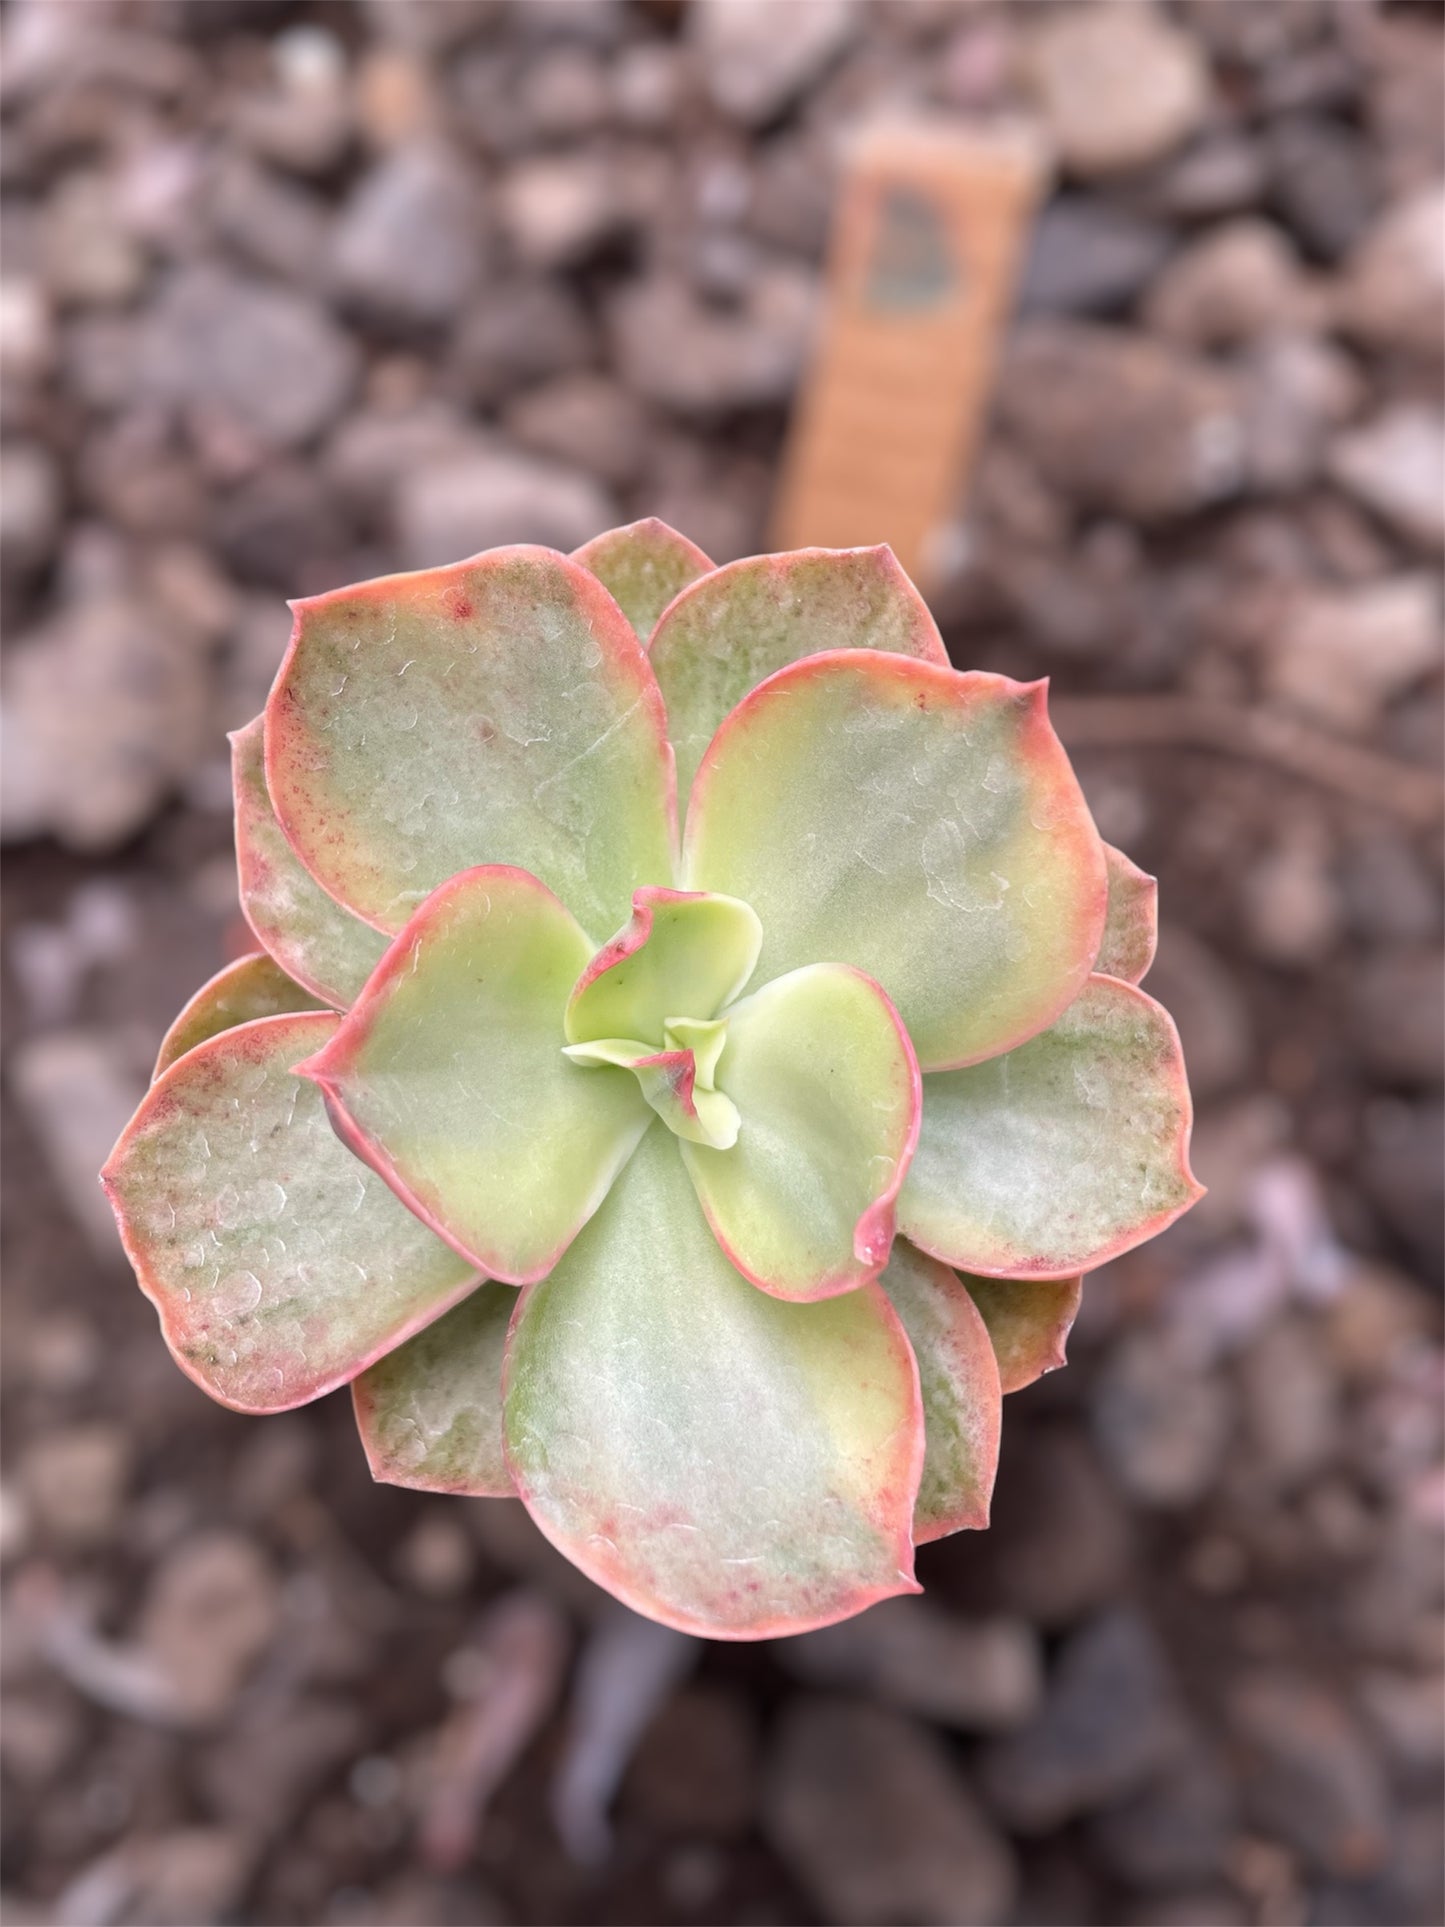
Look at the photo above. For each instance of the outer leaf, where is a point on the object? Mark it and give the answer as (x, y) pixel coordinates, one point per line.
(280, 1266)
(1067, 1151)
(251, 987)
(827, 1091)
(306, 931)
(724, 1462)
(1029, 1321)
(498, 711)
(747, 620)
(1131, 925)
(430, 1413)
(962, 1396)
(448, 1076)
(642, 567)
(921, 824)
(680, 955)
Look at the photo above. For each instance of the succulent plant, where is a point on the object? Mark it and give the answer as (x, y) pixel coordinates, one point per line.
(706, 1195)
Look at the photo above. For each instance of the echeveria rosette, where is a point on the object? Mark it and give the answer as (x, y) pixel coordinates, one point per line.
(709, 1191)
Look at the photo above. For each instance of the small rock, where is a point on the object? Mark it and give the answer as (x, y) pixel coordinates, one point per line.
(1403, 1156)
(1120, 422)
(1292, 909)
(262, 357)
(407, 247)
(1394, 284)
(41, 1735)
(87, 254)
(1395, 465)
(982, 1675)
(27, 331)
(1199, 990)
(190, 1878)
(77, 1089)
(303, 122)
(1342, 654)
(1240, 280)
(876, 1823)
(212, 1609)
(1398, 1019)
(647, 86)
(674, 349)
(585, 421)
(481, 500)
(1176, 1829)
(1297, 389)
(30, 504)
(1322, 182)
(695, 1770)
(525, 332)
(396, 99)
(558, 209)
(1307, 1775)
(1220, 174)
(565, 93)
(370, 453)
(1404, 1709)
(1091, 258)
(262, 1770)
(1162, 1417)
(1110, 1721)
(437, 1558)
(76, 1483)
(432, 26)
(755, 57)
(274, 223)
(1120, 87)
(1291, 1404)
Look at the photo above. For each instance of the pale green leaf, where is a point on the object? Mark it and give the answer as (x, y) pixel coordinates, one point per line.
(251, 987)
(679, 955)
(642, 567)
(1131, 926)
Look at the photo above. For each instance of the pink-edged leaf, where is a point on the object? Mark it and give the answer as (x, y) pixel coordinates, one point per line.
(1131, 924)
(730, 630)
(827, 1094)
(681, 954)
(920, 823)
(430, 1413)
(1029, 1321)
(719, 1460)
(309, 934)
(642, 567)
(253, 986)
(448, 1078)
(961, 1389)
(1061, 1154)
(672, 1083)
(499, 711)
(280, 1266)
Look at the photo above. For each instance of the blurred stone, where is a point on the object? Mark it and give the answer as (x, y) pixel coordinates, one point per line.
(282, 526)
(1404, 1709)
(1395, 465)
(303, 122)
(1120, 86)
(88, 256)
(407, 247)
(1291, 1404)
(1308, 1776)
(1089, 257)
(979, 1674)
(479, 501)
(1121, 423)
(437, 1558)
(193, 1877)
(30, 504)
(1110, 1722)
(1292, 908)
(1342, 654)
(40, 1735)
(1403, 1156)
(274, 223)
(211, 1610)
(876, 1823)
(675, 350)
(434, 26)
(565, 93)
(77, 1089)
(1393, 293)
(263, 1769)
(1322, 183)
(266, 357)
(755, 57)
(1163, 1418)
(695, 1769)
(646, 85)
(1201, 994)
(372, 451)
(557, 209)
(396, 100)
(1231, 1141)
(75, 1482)
(1297, 390)
(583, 420)
(525, 332)
(1398, 1014)
(1221, 173)
(1240, 280)
(1176, 1829)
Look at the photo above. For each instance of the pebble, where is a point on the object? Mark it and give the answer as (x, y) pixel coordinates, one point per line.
(1342, 654)
(437, 1558)
(262, 1770)
(695, 1771)
(1297, 389)
(1176, 1829)
(1322, 183)
(528, 331)
(408, 246)
(877, 1824)
(75, 1482)
(193, 1877)
(756, 56)
(1110, 1722)
(212, 1608)
(1398, 1019)
(1394, 281)
(585, 421)
(1241, 279)
(77, 1089)
(1199, 991)
(1090, 257)
(1395, 465)
(1162, 1418)
(278, 225)
(1120, 87)
(558, 209)
(1308, 1775)
(1293, 914)
(674, 349)
(493, 496)
(30, 507)
(1291, 1404)
(88, 255)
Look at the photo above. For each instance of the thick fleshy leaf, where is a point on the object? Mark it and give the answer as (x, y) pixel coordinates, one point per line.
(251, 987)
(1131, 925)
(448, 1076)
(674, 1084)
(280, 1266)
(1065, 1152)
(749, 619)
(314, 940)
(430, 1413)
(827, 1091)
(642, 567)
(681, 954)
(962, 1396)
(922, 824)
(719, 1460)
(1029, 1321)
(498, 711)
